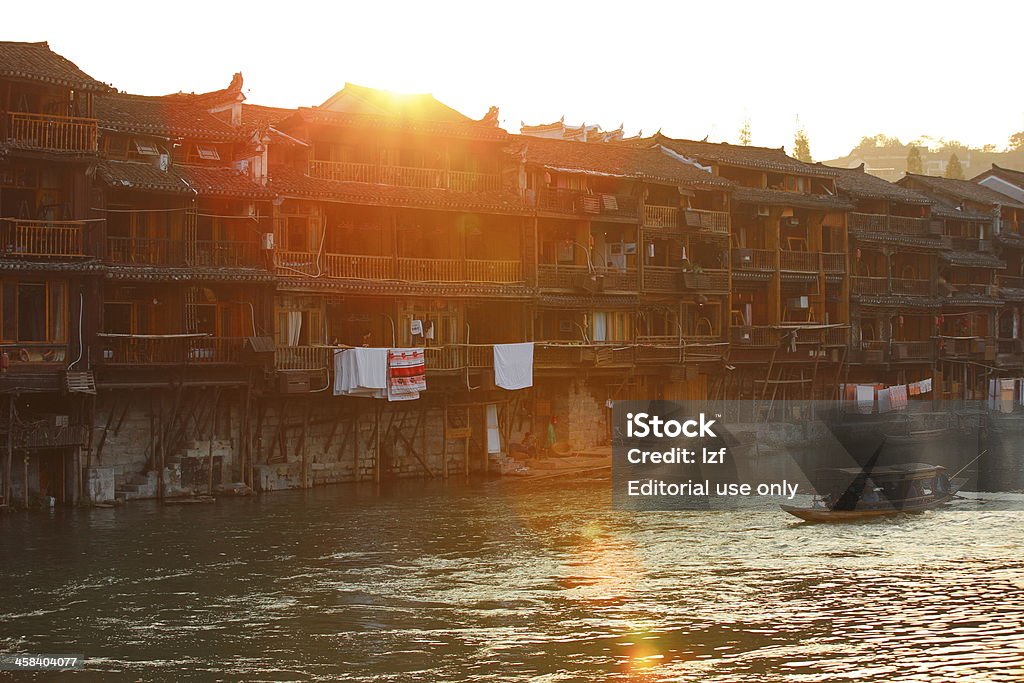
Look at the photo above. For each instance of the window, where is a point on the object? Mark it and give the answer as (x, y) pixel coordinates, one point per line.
(611, 326)
(297, 236)
(35, 311)
(207, 153)
(146, 148)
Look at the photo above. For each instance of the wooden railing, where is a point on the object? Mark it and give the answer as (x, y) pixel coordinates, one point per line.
(303, 357)
(837, 336)
(1012, 281)
(444, 358)
(556, 276)
(157, 350)
(712, 221)
(911, 286)
(357, 267)
(405, 176)
(225, 254)
(833, 262)
(43, 238)
(52, 133)
(756, 336)
(578, 202)
(429, 270)
(755, 259)
(869, 285)
(145, 250)
(661, 216)
(876, 222)
(911, 350)
(477, 270)
(800, 261)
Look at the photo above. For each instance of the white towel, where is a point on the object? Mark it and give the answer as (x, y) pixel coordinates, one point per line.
(865, 398)
(493, 433)
(926, 385)
(513, 365)
(884, 400)
(361, 372)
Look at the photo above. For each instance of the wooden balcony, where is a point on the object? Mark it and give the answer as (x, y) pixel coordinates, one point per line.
(146, 251)
(833, 263)
(359, 267)
(303, 357)
(711, 221)
(911, 350)
(911, 287)
(43, 239)
(874, 222)
(224, 254)
(755, 336)
(557, 276)
(191, 349)
(869, 285)
(755, 259)
(799, 261)
(51, 133)
(405, 176)
(672, 279)
(584, 203)
(609, 355)
(1010, 281)
(661, 216)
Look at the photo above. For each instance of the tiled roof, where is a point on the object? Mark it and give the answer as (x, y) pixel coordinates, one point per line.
(254, 115)
(378, 287)
(139, 175)
(972, 258)
(291, 183)
(593, 302)
(167, 116)
(616, 160)
(37, 62)
(221, 182)
(474, 130)
(1011, 293)
(365, 100)
(936, 242)
(179, 179)
(896, 300)
(942, 209)
(802, 200)
(214, 98)
(1010, 175)
(959, 189)
(744, 156)
(189, 274)
(859, 184)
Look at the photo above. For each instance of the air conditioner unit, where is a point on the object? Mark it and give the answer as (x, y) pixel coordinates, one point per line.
(762, 210)
(793, 222)
(163, 161)
(743, 256)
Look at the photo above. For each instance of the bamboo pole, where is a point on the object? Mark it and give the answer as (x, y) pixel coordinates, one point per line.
(444, 439)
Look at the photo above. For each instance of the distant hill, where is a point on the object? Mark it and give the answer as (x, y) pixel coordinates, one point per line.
(890, 162)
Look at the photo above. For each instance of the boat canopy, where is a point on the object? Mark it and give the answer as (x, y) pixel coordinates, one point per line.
(911, 470)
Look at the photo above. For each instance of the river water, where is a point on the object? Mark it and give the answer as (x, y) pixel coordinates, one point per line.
(499, 581)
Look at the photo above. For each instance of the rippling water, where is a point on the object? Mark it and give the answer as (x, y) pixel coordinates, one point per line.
(508, 581)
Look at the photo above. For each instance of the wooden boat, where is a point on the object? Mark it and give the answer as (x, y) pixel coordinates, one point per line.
(856, 494)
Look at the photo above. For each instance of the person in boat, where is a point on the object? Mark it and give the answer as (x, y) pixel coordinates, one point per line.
(941, 486)
(914, 490)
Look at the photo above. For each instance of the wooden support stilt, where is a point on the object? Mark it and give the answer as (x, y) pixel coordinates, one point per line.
(213, 433)
(376, 448)
(303, 450)
(10, 451)
(444, 439)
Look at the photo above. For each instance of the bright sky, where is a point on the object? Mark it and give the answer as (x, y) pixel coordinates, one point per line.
(946, 69)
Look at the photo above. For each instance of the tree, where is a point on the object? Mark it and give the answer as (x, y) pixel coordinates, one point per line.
(914, 164)
(745, 132)
(953, 168)
(1017, 140)
(802, 146)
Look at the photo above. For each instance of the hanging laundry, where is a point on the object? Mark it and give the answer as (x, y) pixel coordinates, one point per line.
(407, 375)
(513, 365)
(865, 398)
(914, 389)
(361, 372)
(416, 328)
(493, 432)
(898, 396)
(428, 329)
(926, 385)
(884, 401)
